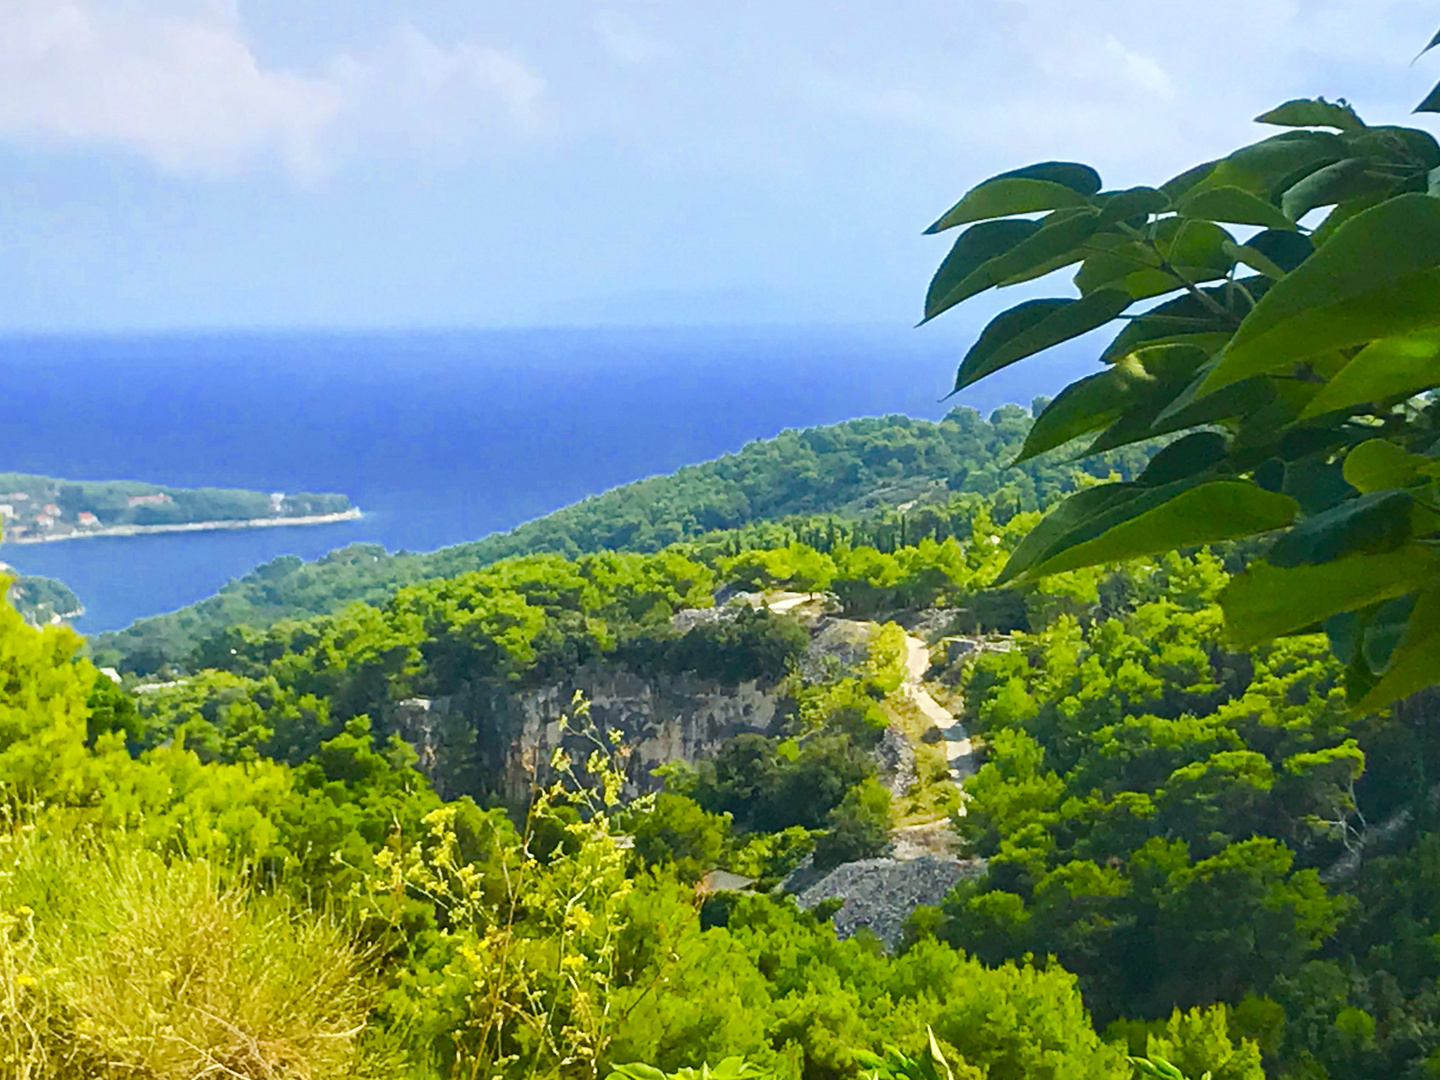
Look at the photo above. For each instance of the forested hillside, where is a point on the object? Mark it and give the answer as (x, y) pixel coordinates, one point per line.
(1178, 824)
(355, 924)
(860, 469)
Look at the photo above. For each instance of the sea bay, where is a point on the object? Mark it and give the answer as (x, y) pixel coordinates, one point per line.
(440, 437)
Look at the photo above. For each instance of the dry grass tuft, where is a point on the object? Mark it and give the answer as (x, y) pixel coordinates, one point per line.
(120, 962)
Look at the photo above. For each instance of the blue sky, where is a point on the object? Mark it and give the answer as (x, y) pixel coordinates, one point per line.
(179, 163)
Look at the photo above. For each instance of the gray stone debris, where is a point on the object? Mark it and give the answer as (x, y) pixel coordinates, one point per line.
(838, 647)
(929, 623)
(930, 838)
(689, 618)
(881, 893)
(895, 758)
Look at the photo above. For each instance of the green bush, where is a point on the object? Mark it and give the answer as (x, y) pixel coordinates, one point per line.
(856, 829)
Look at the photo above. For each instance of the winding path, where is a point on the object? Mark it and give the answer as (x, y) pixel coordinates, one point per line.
(959, 752)
(958, 749)
(782, 602)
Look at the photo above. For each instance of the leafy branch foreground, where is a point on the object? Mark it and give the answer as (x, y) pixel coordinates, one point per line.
(1297, 355)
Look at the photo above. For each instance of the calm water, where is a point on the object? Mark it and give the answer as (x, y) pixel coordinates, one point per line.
(439, 437)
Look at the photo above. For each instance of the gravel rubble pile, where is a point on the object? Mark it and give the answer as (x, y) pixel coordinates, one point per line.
(881, 893)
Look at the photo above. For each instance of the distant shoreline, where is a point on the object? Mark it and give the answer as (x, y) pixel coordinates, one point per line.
(353, 514)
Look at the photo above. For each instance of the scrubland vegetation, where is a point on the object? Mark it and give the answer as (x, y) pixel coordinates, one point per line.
(1157, 808)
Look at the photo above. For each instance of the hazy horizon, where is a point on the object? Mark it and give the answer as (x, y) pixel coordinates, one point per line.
(215, 164)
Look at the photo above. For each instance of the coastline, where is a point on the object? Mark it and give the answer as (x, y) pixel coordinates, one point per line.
(353, 514)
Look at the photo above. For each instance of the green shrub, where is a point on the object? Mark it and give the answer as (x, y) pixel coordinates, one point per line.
(858, 828)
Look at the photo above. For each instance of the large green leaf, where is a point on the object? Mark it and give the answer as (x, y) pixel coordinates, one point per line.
(1267, 601)
(1400, 150)
(1183, 317)
(1316, 485)
(1306, 112)
(1213, 511)
(1068, 516)
(1234, 205)
(1034, 326)
(1380, 521)
(1061, 259)
(1132, 203)
(1156, 519)
(1088, 405)
(1385, 631)
(1184, 458)
(1378, 464)
(1256, 260)
(1182, 410)
(1383, 369)
(1414, 664)
(1178, 186)
(1269, 167)
(1111, 260)
(1053, 244)
(1376, 277)
(1168, 368)
(1051, 185)
(1211, 341)
(1351, 178)
(1285, 248)
(975, 247)
(1196, 250)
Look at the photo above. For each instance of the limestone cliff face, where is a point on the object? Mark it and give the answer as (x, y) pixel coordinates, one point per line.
(484, 740)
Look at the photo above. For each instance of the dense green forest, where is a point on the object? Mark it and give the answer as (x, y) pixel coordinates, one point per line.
(256, 825)
(860, 470)
(1175, 825)
(42, 506)
(337, 916)
(1179, 823)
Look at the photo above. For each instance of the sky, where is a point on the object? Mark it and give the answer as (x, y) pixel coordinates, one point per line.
(169, 164)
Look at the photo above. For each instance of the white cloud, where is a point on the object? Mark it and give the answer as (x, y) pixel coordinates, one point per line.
(1135, 86)
(176, 82)
(425, 96)
(1141, 70)
(625, 42)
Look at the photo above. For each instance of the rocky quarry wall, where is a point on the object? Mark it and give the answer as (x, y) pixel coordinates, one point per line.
(487, 740)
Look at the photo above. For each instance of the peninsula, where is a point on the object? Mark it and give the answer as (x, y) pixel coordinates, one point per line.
(42, 509)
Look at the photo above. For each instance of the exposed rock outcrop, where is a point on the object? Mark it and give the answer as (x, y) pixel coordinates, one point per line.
(484, 740)
(838, 647)
(895, 758)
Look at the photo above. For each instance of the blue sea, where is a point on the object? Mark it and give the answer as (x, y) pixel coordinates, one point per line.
(439, 437)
